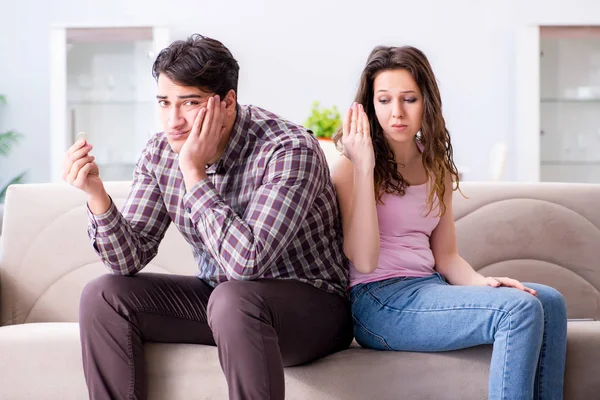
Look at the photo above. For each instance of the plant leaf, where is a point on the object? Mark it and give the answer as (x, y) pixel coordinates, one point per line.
(2, 99)
(8, 140)
(14, 181)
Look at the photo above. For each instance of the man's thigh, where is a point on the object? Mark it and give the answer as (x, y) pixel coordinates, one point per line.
(309, 322)
(162, 307)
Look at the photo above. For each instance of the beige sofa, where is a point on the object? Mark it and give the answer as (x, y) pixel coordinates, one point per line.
(548, 233)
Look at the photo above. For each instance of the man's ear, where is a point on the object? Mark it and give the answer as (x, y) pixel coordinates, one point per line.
(230, 101)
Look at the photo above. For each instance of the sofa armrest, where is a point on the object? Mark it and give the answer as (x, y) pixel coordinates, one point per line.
(583, 358)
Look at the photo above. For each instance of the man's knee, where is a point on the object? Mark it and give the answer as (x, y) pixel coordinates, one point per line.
(232, 304)
(99, 294)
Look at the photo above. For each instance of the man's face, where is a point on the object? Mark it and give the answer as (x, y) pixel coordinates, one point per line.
(178, 107)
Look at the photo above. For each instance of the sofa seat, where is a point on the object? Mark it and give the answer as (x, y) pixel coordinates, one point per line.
(43, 361)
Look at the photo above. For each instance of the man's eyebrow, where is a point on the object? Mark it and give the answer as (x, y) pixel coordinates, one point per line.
(187, 96)
(191, 96)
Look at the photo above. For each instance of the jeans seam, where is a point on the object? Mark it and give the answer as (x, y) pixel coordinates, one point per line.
(445, 309)
(503, 392)
(541, 361)
(373, 334)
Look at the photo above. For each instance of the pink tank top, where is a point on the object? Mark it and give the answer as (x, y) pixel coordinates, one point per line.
(404, 230)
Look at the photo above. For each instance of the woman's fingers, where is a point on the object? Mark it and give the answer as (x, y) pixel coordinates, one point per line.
(509, 282)
(353, 120)
(365, 123)
(346, 122)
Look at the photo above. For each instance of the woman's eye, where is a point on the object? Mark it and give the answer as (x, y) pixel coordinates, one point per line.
(410, 100)
(383, 101)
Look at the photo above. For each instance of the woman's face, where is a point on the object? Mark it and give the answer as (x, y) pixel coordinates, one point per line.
(398, 104)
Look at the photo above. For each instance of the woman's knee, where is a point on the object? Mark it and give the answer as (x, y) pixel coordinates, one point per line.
(551, 299)
(525, 309)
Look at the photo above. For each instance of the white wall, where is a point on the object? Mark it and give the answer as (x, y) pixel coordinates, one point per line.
(293, 53)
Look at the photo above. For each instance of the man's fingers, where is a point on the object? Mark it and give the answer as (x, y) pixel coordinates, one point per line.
(76, 146)
(217, 118)
(208, 117)
(221, 125)
(77, 165)
(82, 152)
(198, 122)
(70, 159)
(82, 174)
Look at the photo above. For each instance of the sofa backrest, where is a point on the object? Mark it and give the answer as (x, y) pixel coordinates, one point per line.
(46, 257)
(547, 233)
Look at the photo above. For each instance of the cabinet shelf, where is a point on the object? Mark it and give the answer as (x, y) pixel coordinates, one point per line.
(568, 100)
(571, 163)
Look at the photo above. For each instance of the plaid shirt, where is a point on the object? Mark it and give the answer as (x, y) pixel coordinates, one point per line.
(267, 210)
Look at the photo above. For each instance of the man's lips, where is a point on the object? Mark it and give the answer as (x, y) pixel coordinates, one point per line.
(177, 134)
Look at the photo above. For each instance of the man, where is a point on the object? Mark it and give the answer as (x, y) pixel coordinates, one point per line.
(251, 193)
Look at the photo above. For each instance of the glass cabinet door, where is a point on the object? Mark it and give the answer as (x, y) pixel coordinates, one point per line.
(570, 104)
(111, 94)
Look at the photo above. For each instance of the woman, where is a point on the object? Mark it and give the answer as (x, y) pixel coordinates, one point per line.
(410, 289)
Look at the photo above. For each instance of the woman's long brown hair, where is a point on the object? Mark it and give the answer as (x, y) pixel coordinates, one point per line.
(435, 138)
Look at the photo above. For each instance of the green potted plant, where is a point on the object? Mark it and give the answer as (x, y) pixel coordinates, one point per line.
(7, 141)
(324, 122)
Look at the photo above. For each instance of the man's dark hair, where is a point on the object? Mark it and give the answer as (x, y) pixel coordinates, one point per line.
(201, 62)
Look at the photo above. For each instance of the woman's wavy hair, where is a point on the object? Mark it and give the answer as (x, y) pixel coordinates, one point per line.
(434, 137)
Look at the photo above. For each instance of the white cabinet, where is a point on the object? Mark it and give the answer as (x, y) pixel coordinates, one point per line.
(558, 103)
(102, 84)
(570, 104)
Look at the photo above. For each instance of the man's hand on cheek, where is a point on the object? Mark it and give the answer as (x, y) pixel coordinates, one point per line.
(202, 144)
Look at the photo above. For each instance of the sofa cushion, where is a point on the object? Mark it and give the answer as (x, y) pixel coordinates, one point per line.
(43, 361)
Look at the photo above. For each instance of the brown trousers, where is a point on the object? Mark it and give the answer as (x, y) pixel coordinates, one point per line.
(258, 326)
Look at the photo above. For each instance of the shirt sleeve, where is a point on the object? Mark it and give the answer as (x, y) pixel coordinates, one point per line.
(127, 241)
(246, 245)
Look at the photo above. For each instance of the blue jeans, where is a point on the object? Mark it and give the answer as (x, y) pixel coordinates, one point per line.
(427, 314)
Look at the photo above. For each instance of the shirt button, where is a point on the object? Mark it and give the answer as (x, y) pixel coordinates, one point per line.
(93, 226)
(188, 210)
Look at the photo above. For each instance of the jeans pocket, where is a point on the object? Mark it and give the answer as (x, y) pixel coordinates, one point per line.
(386, 289)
